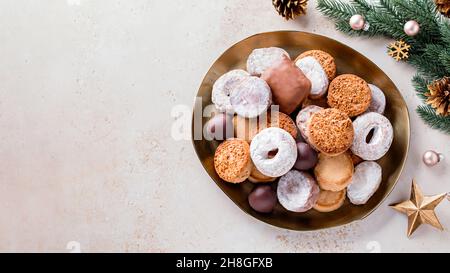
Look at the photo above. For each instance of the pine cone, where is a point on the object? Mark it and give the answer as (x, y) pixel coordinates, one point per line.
(289, 9)
(439, 96)
(443, 6)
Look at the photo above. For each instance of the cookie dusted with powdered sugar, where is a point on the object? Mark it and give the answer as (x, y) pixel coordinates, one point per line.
(325, 60)
(381, 139)
(365, 182)
(273, 151)
(303, 118)
(251, 97)
(378, 103)
(297, 191)
(316, 74)
(262, 58)
(223, 86)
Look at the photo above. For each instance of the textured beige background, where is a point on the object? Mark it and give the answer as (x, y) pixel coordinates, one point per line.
(86, 89)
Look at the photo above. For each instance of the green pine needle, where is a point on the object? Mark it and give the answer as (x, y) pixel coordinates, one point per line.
(445, 32)
(429, 116)
(336, 9)
(421, 86)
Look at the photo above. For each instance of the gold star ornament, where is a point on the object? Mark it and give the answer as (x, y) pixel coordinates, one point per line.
(420, 209)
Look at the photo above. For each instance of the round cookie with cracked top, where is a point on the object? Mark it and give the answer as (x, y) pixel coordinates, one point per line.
(325, 59)
(330, 131)
(232, 160)
(350, 94)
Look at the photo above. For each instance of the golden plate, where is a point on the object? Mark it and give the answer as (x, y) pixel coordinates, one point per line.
(348, 61)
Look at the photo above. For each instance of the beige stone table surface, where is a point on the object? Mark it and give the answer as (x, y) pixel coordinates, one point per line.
(87, 158)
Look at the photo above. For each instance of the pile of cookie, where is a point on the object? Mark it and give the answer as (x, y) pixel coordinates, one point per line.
(327, 154)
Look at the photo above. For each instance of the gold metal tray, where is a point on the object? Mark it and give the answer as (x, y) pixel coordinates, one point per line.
(348, 61)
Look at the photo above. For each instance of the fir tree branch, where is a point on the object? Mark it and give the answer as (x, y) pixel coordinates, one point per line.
(420, 85)
(429, 53)
(445, 32)
(424, 12)
(445, 60)
(388, 6)
(429, 64)
(362, 6)
(336, 9)
(385, 24)
(429, 116)
(343, 26)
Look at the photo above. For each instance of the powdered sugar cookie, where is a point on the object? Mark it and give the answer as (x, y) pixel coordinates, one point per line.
(365, 182)
(378, 103)
(251, 97)
(316, 74)
(381, 140)
(262, 58)
(223, 86)
(325, 60)
(273, 151)
(297, 191)
(303, 118)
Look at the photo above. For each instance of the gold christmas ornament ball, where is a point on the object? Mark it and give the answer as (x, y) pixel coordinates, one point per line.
(290, 9)
(431, 158)
(357, 22)
(411, 28)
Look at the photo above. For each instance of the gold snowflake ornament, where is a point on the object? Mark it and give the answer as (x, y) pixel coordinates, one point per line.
(399, 50)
